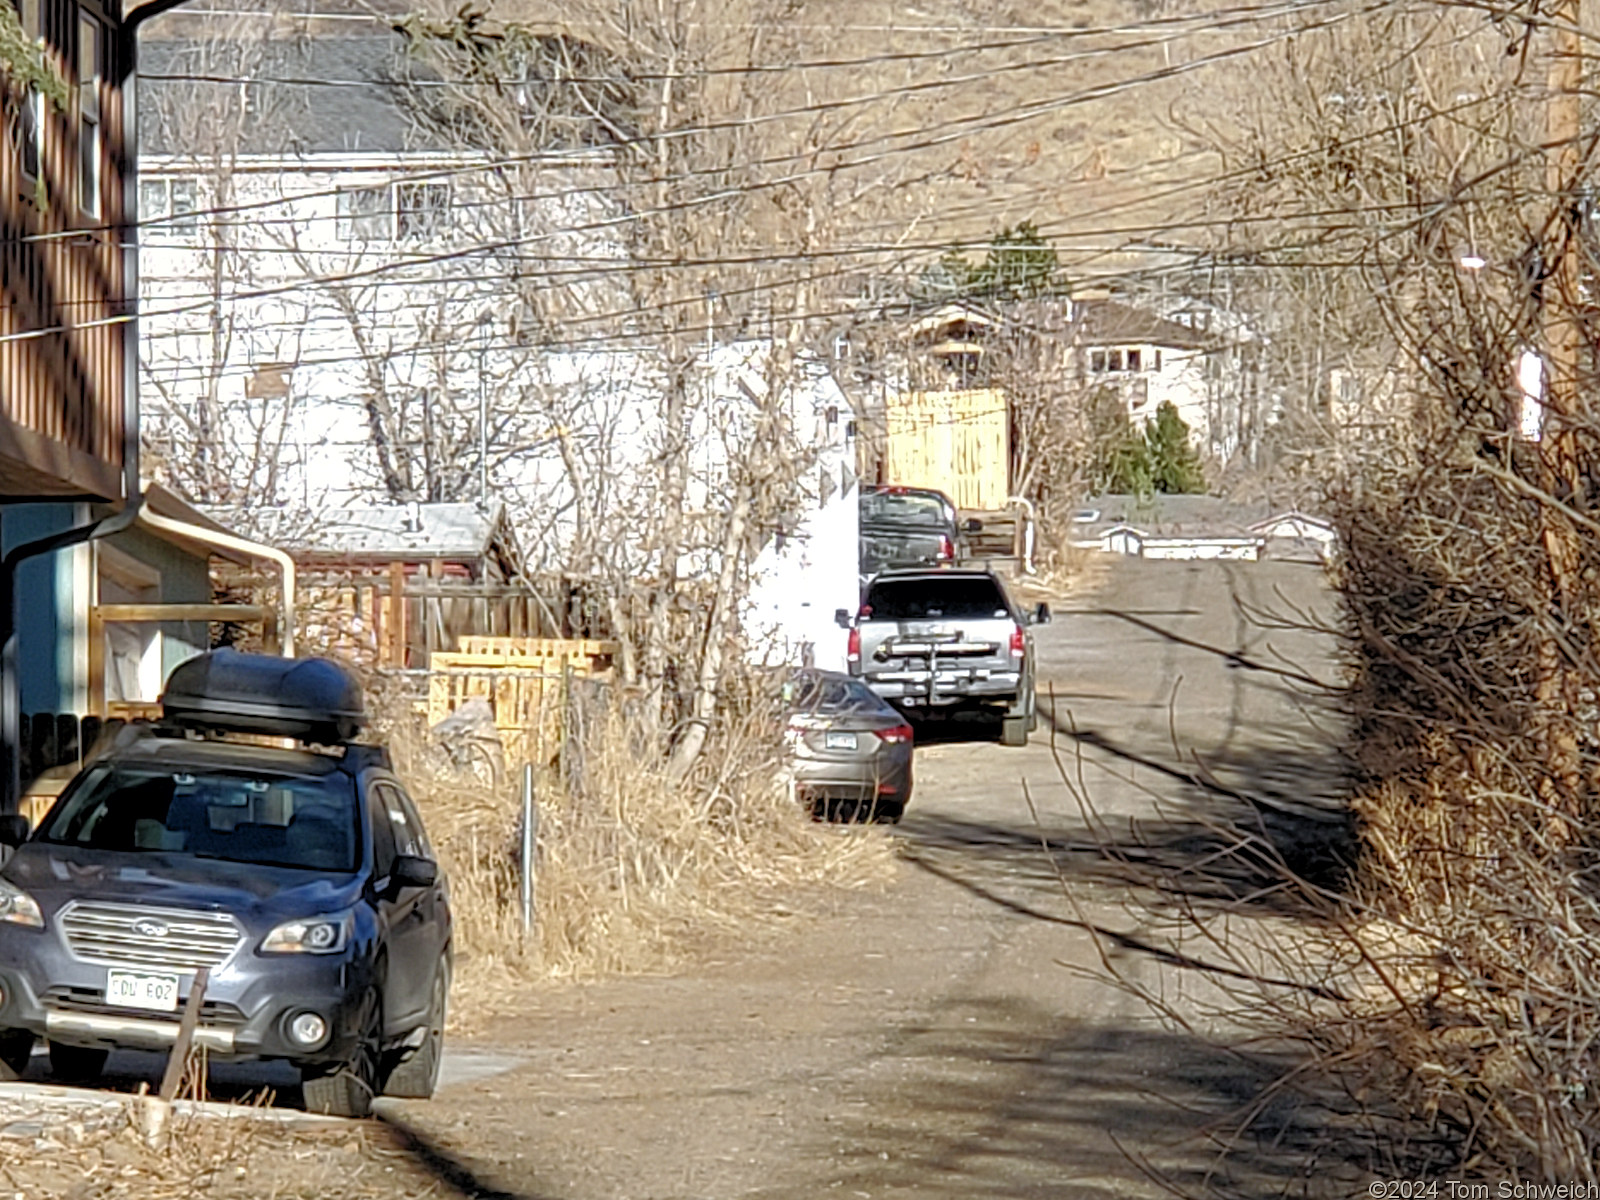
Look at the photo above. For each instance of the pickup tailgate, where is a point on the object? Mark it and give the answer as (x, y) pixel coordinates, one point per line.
(886, 547)
(938, 663)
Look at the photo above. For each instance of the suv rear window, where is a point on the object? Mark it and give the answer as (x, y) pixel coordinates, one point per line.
(307, 822)
(949, 599)
(904, 508)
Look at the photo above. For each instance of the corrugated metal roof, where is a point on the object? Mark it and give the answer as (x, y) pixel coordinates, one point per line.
(378, 532)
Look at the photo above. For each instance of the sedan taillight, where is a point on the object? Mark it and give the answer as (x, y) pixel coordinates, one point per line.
(897, 735)
(1018, 646)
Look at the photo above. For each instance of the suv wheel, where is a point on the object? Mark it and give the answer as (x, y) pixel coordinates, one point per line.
(16, 1048)
(77, 1064)
(348, 1089)
(416, 1076)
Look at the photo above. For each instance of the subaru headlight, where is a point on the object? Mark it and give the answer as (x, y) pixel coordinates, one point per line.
(19, 908)
(311, 935)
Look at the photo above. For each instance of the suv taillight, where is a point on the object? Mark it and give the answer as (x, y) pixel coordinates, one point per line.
(852, 648)
(900, 733)
(947, 549)
(1017, 645)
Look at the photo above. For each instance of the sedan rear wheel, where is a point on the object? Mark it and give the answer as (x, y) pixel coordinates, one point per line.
(348, 1089)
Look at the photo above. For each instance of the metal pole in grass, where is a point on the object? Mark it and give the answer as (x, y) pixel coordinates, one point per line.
(530, 837)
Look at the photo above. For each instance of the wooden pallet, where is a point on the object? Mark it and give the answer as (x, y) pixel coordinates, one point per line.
(522, 679)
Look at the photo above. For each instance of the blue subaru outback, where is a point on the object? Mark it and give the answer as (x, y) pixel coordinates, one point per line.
(297, 875)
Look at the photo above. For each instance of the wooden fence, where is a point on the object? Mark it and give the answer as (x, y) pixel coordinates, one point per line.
(956, 441)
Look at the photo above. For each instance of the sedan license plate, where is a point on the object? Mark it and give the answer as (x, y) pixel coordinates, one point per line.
(140, 989)
(840, 741)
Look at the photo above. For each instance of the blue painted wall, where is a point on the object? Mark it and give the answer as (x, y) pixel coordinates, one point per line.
(49, 615)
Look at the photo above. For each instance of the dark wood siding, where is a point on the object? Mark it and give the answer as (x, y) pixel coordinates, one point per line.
(61, 287)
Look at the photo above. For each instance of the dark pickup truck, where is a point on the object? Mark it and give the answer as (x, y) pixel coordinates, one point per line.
(903, 527)
(934, 641)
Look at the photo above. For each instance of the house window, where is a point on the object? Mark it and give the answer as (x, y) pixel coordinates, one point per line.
(28, 120)
(422, 211)
(89, 115)
(169, 208)
(1158, 360)
(365, 215)
(1114, 361)
(1097, 361)
(1135, 360)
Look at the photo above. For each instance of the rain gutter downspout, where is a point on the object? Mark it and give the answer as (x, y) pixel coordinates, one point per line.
(132, 493)
(230, 541)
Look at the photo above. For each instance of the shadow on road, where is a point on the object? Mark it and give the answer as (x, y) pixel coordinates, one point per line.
(1275, 839)
(450, 1171)
(989, 1098)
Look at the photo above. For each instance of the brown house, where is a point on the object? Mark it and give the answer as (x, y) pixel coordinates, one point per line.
(68, 285)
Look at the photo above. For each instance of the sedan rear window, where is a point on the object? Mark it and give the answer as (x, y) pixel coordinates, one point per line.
(307, 822)
(904, 508)
(951, 599)
(831, 694)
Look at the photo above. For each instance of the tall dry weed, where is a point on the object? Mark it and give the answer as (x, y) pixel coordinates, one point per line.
(633, 868)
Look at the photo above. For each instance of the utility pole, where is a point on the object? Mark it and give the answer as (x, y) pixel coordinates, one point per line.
(1561, 303)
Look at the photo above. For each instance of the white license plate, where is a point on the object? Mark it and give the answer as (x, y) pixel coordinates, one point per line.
(840, 741)
(140, 989)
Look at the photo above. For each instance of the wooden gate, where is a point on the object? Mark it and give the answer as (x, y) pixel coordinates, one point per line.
(956, 441)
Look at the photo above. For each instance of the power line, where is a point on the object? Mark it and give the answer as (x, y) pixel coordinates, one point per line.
(950, 132)
(487, 161)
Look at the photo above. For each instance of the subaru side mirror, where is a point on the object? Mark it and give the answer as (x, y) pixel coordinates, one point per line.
(1041, 615)
(841, 618)
(411, 871)
(13, 830)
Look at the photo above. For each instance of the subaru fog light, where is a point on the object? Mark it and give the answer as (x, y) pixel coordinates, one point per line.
(308, 1029)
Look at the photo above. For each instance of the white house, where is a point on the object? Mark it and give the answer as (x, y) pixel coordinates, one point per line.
(1211, 378)
(332, 295)
(341, 308)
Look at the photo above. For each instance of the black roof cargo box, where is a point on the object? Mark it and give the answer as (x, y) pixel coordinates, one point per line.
(313, 699)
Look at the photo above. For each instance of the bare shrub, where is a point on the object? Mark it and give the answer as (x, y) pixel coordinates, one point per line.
(1439, 1000)
(636, 865)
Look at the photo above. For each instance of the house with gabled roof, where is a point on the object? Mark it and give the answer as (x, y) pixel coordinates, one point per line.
(1148, 360)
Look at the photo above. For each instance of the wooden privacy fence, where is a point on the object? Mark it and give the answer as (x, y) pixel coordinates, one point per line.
(523, 680)
(956, 441)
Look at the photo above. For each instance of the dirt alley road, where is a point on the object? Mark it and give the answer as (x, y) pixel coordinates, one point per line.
(949, 1037)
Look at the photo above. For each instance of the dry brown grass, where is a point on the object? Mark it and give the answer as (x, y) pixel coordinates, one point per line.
(634, 869)
(77, 1152)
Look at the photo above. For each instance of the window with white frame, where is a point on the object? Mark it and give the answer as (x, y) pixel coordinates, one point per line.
(422, 211)
(365, 214)
(404, 212)
(89, 48)
(1124, 360)
(169, 209)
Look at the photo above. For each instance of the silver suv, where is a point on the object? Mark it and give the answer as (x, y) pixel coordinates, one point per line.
(933, 641)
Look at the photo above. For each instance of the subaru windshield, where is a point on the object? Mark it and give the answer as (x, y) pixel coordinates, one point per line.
(302, 821)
